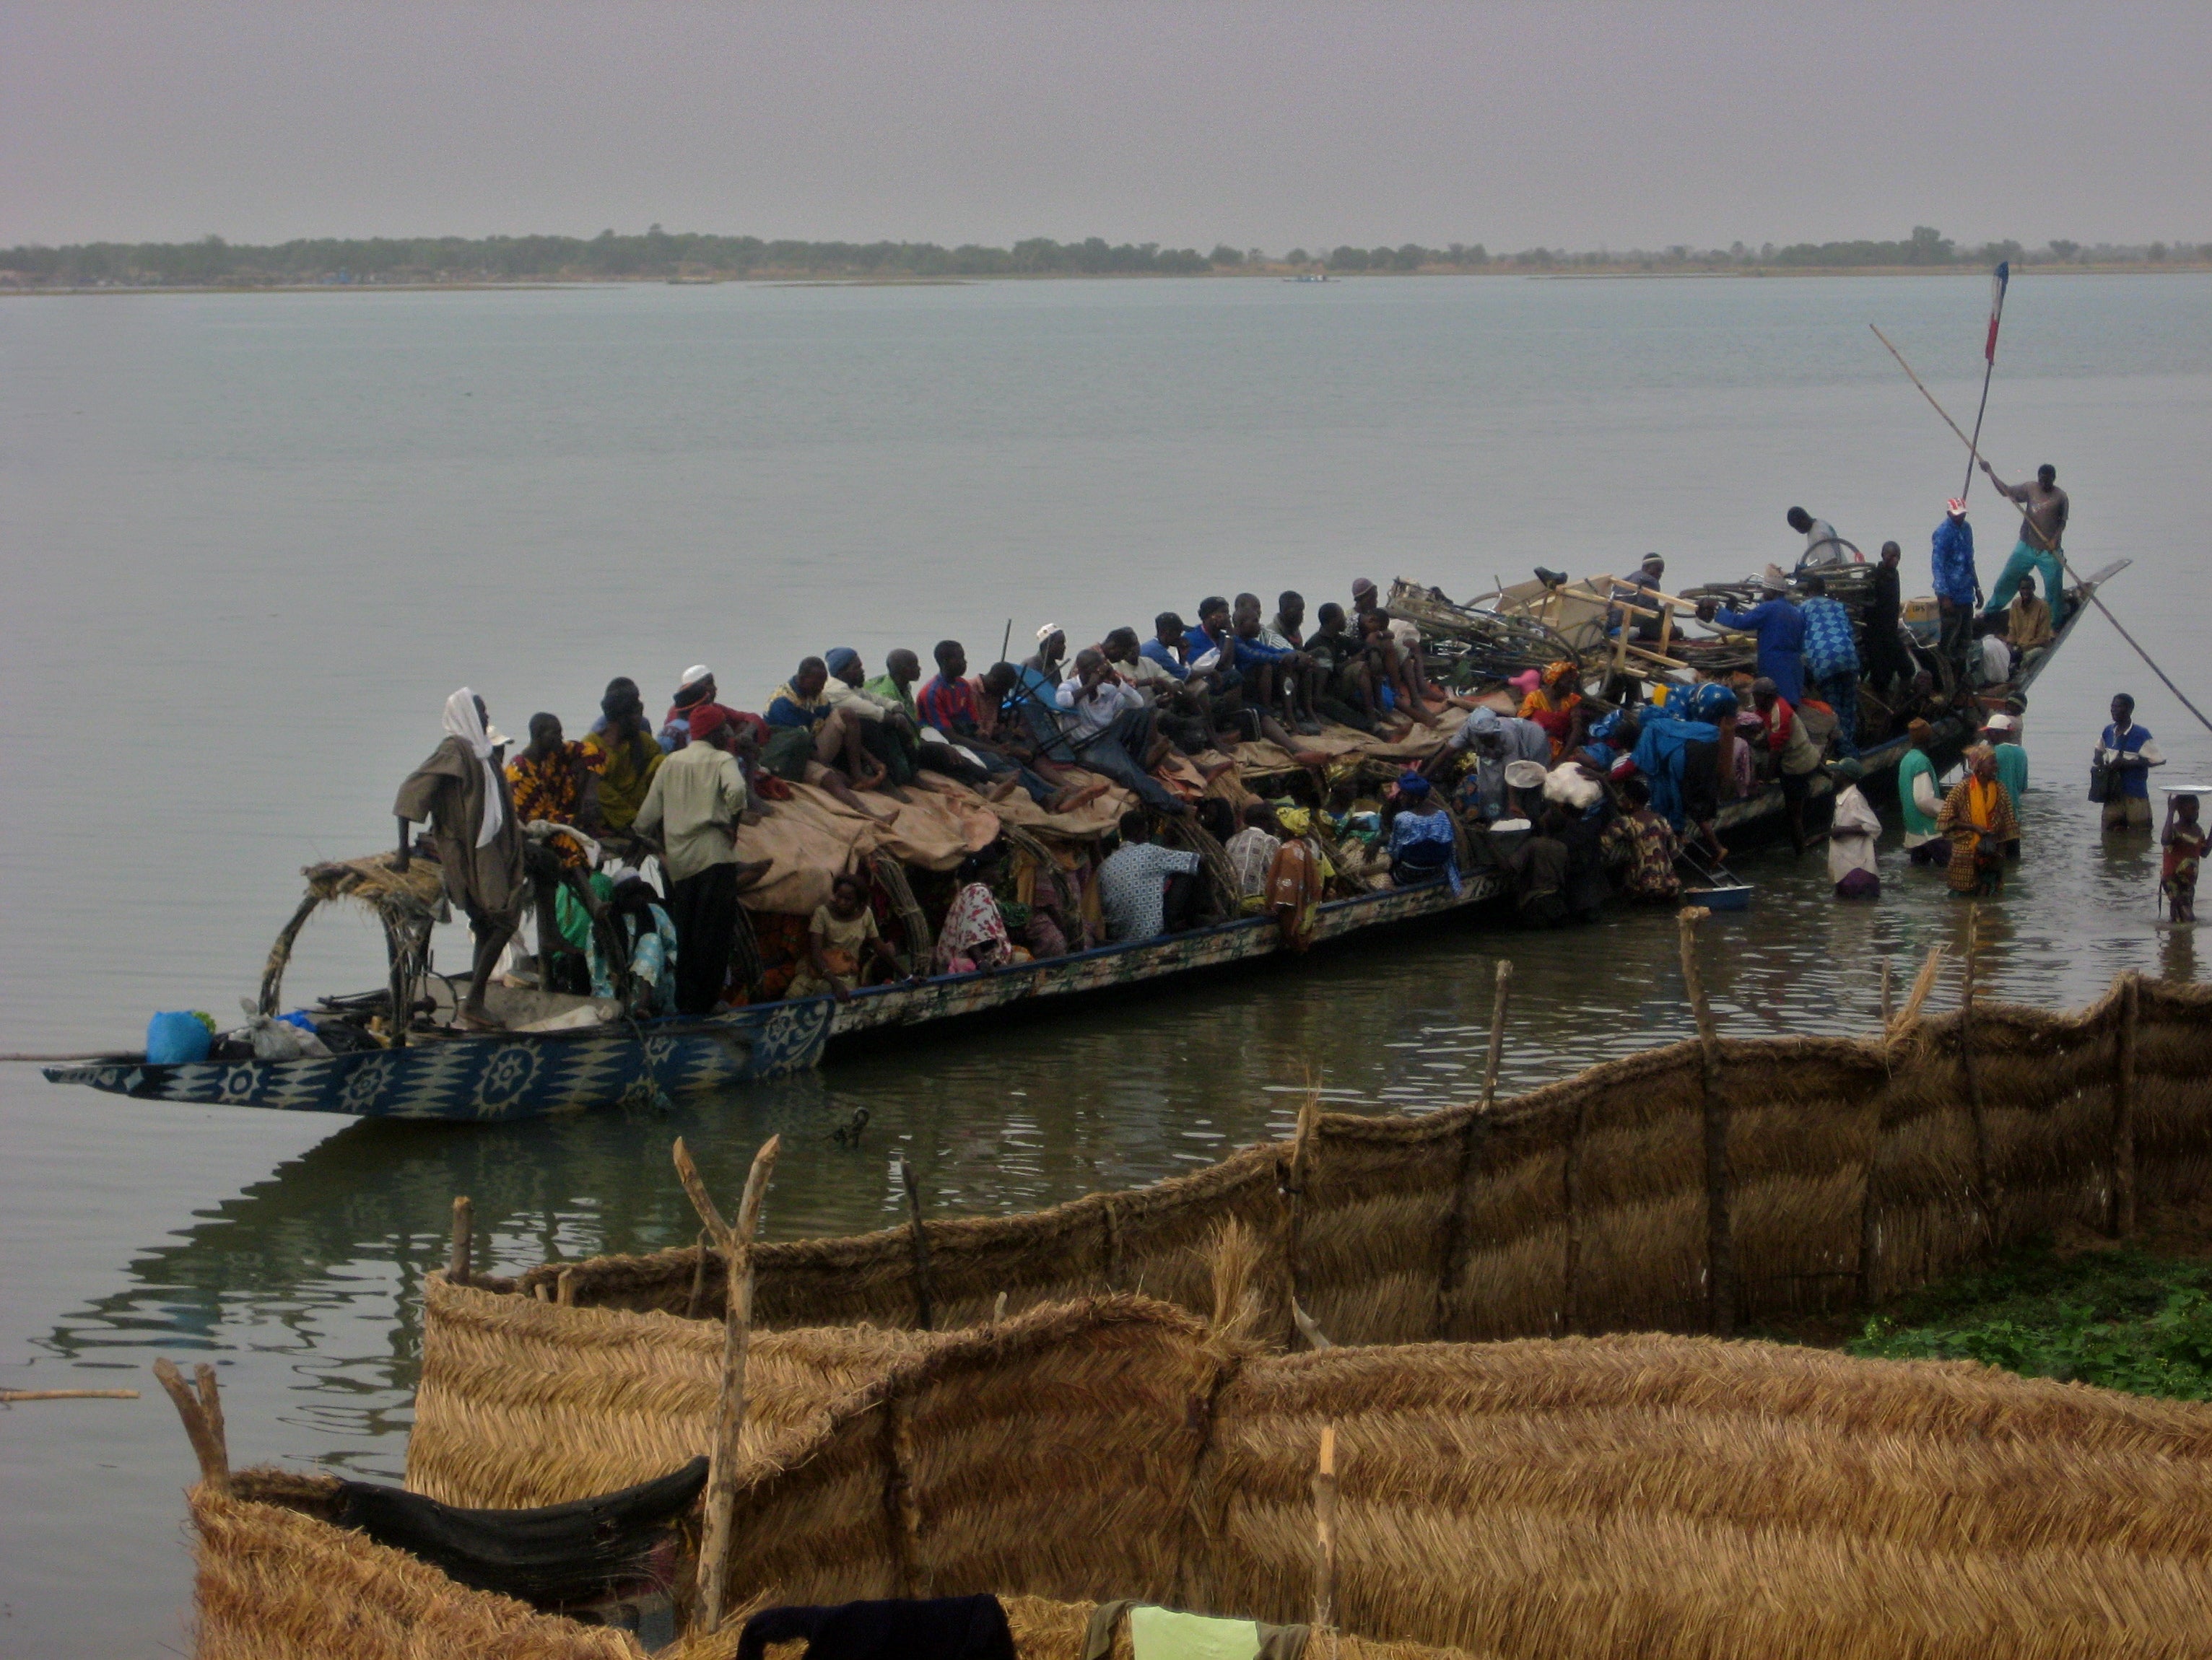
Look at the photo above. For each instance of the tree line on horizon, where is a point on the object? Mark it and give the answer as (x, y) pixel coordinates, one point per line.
(659, 254)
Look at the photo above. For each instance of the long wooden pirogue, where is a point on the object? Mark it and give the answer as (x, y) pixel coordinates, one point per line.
(477, 1078)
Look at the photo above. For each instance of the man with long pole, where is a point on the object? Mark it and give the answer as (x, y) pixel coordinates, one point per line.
(2043, 508)
(2094, 597)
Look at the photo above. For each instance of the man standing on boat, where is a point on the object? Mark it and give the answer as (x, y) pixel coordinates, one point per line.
(1887, 661)
(1823, 547)
(1832, 660)
(693, 808)
(1780, 627)
(2040, 530)
(461, 793)
(1958, 588)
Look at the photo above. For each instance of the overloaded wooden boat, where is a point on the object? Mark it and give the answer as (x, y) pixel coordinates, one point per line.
(569, 1054)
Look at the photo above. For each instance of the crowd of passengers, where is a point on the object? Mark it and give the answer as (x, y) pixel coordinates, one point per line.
(1573, 802)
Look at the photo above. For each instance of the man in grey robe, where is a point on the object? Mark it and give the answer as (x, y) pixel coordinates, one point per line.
(1496, 742)
(461, 793)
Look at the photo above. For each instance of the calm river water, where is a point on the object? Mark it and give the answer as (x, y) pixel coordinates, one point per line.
(253, 540)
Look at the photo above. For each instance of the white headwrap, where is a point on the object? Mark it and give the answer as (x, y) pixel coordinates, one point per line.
(463, 722)
(1048, 631)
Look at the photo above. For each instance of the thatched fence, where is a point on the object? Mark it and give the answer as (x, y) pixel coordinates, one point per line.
(1695, 1188)
(1623, 1496)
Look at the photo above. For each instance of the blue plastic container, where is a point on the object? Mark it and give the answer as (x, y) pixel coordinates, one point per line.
(176, 1039)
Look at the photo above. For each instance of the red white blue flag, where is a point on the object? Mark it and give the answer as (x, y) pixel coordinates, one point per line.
(1997, 308)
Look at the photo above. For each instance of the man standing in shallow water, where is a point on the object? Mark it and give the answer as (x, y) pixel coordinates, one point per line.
(2128, 752)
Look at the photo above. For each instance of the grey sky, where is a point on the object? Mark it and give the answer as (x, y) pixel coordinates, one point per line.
(1578, 125)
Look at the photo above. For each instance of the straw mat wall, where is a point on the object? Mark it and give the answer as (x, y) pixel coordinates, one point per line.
(1853, 1169)
(276, 1584)
(1615, 1496)
(523, 1402)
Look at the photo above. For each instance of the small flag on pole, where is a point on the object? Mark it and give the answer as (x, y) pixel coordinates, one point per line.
(1997, 308)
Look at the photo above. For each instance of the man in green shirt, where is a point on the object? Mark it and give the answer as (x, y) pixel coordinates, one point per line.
(2001, 734)
(1919, 798)
(902, 672)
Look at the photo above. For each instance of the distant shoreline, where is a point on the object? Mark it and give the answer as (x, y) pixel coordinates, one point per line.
(831, 280)
(1230, 275)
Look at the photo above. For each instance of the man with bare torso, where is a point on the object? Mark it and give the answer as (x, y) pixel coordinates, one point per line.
(2042, 528)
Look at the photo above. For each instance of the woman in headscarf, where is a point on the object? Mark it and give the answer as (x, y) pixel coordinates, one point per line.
(1556, 704)
(461, 793)
(621, 753)
(973, 935)
(1978, 819)
(1421, 841)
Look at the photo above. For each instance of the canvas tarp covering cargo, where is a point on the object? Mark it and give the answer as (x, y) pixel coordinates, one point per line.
(814, 837)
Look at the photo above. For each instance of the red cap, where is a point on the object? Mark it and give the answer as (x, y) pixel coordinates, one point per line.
(1955, 507)
(709, 717)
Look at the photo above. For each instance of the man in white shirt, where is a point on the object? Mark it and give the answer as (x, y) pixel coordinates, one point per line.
(693, 806)
(1823, 547)
(1145, 890)
(1112, 728)
(1180, 706)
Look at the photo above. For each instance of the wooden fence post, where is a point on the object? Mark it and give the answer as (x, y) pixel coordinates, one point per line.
(698, 1297)
(2123, 1108)
(1324, 1498)
(925, 1312)
(1720, 1237)
(1986, 1194)
(737, 1244)
(457, 1265)
(1570, 1184)
(203, 1419)
(1303, 1140)
(1498, 999)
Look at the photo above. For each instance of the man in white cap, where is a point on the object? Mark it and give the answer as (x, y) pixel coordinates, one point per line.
(694, 690)
(1051, 652)
(1958, 588)
(2002, 734)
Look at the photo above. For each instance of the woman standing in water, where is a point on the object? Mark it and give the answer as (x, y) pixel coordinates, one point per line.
(2183, 839)
(1977, 817)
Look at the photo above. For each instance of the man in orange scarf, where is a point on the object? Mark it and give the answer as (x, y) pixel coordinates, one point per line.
(1978, 817)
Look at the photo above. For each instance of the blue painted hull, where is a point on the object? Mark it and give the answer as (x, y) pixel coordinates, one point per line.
(498, 1077)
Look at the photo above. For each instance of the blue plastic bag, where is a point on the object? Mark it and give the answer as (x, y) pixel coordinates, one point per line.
(176, 1039)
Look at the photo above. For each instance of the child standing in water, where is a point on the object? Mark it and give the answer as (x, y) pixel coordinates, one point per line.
(2183, 839)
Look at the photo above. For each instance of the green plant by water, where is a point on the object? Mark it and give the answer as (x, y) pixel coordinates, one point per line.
(2119, 1319)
